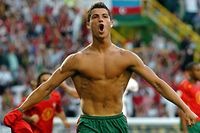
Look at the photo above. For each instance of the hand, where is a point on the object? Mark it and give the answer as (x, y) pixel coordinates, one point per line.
(12, 117)
(14, 120)
(191, 117)
(66, 124)
(35, 118)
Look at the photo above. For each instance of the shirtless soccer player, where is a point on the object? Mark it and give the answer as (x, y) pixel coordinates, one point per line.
(100, 73)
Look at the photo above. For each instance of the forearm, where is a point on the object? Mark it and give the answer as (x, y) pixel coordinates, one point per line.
(72, 93)
(36, 96)
(27, 119)
(69, 90)
(61, 115)
(166, 91)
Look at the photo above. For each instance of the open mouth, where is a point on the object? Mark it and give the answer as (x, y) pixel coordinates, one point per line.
(101, 27)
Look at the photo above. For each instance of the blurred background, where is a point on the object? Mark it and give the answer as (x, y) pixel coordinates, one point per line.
(36, 35)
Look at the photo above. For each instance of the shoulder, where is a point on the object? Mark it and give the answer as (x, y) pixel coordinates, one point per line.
(126, 53)
(130, 56)
(184, 82)
(70, 61)
(73, 57)
(55, 95)
(73, 61)
(77, 56)
(184, 85)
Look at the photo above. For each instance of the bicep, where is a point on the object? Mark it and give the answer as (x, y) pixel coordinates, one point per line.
(58, 77)
(66, 70)
(138, 66)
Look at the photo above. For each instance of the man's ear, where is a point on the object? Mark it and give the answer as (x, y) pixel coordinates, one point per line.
(111, 25)
(88, 25)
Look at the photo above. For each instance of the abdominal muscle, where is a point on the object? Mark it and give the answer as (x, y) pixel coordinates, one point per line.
(101, 97)
(97, 108)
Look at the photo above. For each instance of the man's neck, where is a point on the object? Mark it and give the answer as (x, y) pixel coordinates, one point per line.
(101, 45)
(193, 81)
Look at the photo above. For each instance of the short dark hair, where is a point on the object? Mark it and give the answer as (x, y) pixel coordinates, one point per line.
(40, 76)
(97, 5)
(191, 65)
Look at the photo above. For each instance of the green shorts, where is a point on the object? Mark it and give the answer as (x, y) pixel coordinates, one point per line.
(194, 129)
(102, 124)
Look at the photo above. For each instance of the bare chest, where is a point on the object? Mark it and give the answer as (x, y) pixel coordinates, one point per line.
(102, 67)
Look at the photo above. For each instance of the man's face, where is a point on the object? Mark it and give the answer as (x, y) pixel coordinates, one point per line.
(100, 22)
(196, 72)
(44, 78)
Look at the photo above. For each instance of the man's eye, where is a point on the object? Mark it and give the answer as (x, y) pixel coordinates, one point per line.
(94, 16)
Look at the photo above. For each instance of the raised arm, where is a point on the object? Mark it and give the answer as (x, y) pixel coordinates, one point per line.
(69, 90)
(63, 118)
(66, 70)
(137, 65)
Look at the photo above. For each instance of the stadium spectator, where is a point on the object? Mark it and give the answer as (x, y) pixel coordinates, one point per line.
(191, 9)
(40, 117)
(196, 22)
(189, 91)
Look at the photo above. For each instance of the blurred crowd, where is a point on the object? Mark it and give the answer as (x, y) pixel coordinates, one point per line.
(36, 35)
(187, 10)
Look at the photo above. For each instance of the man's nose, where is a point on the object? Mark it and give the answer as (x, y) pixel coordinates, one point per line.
(100, 19)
